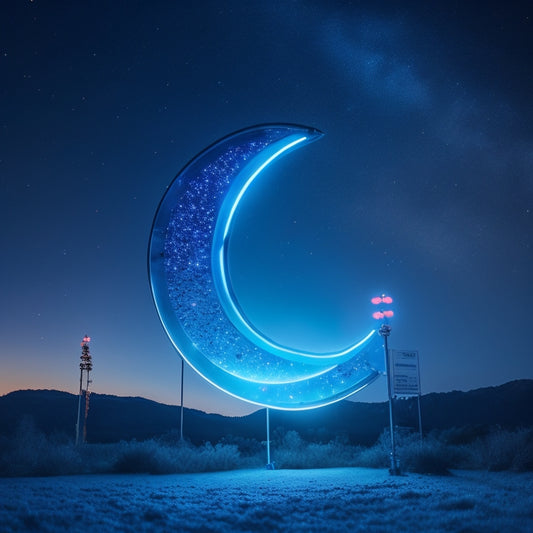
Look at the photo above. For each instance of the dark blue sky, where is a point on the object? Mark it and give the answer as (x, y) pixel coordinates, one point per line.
(421, 187)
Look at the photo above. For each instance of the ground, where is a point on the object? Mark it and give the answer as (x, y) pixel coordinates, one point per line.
(337, 499)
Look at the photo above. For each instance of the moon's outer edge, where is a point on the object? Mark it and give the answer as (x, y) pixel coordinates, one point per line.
(278, 396)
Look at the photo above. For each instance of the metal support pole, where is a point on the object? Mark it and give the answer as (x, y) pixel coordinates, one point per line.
(87, 397)
(419, 409)
(384, 331)
(268, 436)
(420, 418)
(79, 410)
(181, 405)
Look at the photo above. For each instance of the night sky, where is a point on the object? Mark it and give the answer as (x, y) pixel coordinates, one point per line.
(422, 186)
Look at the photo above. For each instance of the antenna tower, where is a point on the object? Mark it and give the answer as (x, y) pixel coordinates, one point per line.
(86, 366)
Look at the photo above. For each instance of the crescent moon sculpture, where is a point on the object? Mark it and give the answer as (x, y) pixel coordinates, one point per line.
(192, 289)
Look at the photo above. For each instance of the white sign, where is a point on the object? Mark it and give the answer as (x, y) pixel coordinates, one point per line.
(405, 378)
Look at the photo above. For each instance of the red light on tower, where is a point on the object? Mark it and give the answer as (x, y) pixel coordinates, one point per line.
(381, 300)
(382, 313)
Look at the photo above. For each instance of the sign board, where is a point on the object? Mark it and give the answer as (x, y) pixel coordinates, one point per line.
(405, 374)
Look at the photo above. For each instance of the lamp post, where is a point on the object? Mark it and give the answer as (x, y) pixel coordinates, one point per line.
(384, 330)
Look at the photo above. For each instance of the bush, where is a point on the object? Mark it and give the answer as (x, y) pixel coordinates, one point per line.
(30, 453)
(143, 458)
(248, 447)
(425, 457)
(153, 458)
(377, 456)
(291, 451)
(506, 450)
(219, 457)
(458, 436)
(523, 460)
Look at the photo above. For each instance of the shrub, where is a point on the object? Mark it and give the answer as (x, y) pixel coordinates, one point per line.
(30, 453)
(457, 436)
(153, 458)
(425, 457)
(291, 451)
(373, 457)
(248, 447)
(523, 460)
(98, 458)
(506, 450)
(220, 457)
(143, 458)
(378, 455)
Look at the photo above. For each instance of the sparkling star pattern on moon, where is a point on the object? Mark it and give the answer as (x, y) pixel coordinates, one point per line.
(192, 290)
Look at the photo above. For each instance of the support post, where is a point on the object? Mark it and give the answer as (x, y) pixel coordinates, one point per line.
(384, 331)
(79, 410)
(87, 397)
(181, 404)
(270, 465)
(419, 397)
(420, 418)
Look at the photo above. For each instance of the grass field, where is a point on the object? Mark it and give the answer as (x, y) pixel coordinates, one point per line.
(336, 499)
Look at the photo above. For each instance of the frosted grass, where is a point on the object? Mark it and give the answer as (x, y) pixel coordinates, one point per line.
(337, 499)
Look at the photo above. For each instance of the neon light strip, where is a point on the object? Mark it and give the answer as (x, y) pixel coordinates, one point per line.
(288, 381)
(277, 346)
(323, 357)
(249, 330)
(367, 381)
(252, 177)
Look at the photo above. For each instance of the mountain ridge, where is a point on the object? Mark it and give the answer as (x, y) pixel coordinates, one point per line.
(114, 418)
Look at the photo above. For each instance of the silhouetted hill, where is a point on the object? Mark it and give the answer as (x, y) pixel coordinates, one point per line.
(114, 418)
(111, 418)
(509, 405)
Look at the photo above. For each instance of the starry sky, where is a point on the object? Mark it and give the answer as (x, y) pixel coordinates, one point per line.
(422, 186)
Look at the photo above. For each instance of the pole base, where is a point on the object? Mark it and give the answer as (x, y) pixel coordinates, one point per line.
(394, 469)
(271, 466)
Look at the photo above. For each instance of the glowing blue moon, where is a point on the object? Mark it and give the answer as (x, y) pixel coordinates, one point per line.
(192, 289)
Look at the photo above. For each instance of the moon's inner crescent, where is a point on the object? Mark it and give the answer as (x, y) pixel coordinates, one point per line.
(193, 294)
(220, 268)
